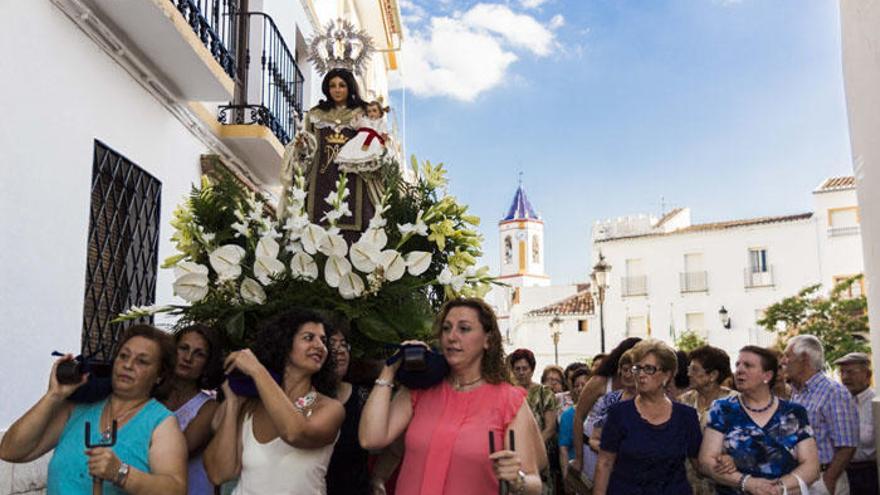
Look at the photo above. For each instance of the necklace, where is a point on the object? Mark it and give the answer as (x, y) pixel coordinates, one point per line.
(457, 385)
(304, 404)
(758, 409)
(107, 432)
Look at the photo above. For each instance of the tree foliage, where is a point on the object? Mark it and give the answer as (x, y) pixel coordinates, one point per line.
(839, 321)
(690, 340)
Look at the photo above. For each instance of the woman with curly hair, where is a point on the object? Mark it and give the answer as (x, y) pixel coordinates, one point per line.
(198, 372)
(448, 425)
(281, 441)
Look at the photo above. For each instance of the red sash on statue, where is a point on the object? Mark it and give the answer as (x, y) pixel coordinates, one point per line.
(371, 135)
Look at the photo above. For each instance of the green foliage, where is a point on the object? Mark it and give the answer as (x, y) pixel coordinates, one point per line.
(222, 212)
(840, 322)
(689, 340)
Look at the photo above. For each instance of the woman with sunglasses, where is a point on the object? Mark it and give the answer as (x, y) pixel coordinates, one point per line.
(646, 441)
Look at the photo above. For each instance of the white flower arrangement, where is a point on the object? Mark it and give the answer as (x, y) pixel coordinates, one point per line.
(236, 259)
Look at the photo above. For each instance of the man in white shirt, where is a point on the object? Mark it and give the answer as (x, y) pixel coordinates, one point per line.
(855, 374)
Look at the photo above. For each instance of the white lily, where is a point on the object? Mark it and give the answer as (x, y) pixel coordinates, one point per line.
(267, 248)
(376, 237)
(417, 228)
(333, 245)
(417, 262)
(335, 268)
(378, 222)
(241, 229)
(226, 261)
(192, 287)
(297, 195)
(312, 237)
(252, 292)
(184, 267)
(303, 266)
(393, 264)
(351, 286)
(364, 256)
(265, 268)
(445, 277)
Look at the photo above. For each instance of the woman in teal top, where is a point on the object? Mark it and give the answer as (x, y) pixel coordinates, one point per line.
(149, 456)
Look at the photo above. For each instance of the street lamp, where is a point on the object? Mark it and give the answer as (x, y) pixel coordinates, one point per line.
(600, 282)
(555, 332)
(724, 316)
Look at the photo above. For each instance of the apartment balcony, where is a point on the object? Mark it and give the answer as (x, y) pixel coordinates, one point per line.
(844, 231)
(264, 118)
(634, 286)
(755, 279)
(694, 282)
(189, 44)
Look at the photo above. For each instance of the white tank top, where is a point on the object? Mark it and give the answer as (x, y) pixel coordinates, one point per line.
(277, 468)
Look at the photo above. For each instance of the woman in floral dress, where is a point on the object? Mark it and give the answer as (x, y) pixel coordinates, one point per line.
(770, 439)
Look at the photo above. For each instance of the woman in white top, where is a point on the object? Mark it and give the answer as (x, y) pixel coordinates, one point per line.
(281, 442)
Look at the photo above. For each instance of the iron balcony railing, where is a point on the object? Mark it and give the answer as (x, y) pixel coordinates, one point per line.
(634, 286)
(216, 24)
(842, 231)
(694, 281)
(755, 278)
(273, 92)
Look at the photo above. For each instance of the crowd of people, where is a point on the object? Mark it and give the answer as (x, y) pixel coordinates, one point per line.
(295, 413)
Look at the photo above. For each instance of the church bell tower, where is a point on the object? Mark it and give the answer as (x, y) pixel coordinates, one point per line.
(521, 234)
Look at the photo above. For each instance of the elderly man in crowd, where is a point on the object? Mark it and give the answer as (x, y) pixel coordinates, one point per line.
(831, 409)
(855, 373)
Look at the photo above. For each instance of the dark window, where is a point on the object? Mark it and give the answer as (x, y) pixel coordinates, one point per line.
(123, 247)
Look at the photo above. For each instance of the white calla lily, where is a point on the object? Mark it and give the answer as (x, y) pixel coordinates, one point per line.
(417, 262)
(364, 256)
(252, 292)
(192, 287)
(226, 261)
(312, 237)
(393, 264)
(267, 247)
(335, 268)
(184, 267)
(303, 266)
(333, 245)
(265, 268)
(351, 286)
(376, 237)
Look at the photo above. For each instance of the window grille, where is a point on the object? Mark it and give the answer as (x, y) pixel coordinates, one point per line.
(123, 248)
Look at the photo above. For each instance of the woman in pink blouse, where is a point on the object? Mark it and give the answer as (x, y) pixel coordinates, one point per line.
(447, 426)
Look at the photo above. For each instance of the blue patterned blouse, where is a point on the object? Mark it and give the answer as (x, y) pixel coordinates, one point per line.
(764, 452)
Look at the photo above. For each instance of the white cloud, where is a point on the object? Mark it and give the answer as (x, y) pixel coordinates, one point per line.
(468, 53)
(532, 4)
(519, 30)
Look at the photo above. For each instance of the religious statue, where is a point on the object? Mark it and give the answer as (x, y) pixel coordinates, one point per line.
(341, 52)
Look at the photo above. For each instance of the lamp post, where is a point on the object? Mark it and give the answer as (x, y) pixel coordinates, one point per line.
(600, 282)
(554, 333)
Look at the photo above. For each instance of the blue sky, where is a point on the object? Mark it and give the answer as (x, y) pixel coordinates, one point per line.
(733, 108)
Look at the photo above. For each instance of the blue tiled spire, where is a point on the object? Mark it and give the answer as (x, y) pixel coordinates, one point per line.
(520, 209)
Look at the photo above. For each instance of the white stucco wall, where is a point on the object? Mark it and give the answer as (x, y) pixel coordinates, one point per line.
(60, 94)
(792, 251)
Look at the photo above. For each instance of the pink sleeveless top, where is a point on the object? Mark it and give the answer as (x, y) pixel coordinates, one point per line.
(447, 441)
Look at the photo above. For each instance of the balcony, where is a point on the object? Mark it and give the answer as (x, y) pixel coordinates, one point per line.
(634, 286)
(189, 44)
(694, 282)
(755, 279)
(843, 231)
(263, 120)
